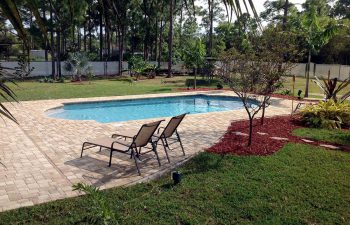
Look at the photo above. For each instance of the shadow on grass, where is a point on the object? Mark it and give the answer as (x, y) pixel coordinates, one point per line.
(204, 162)
(160, 90)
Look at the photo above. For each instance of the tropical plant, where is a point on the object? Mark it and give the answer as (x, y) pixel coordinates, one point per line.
(316, 28)
(102, 210)
(329, 114)
(138, 66)
(77, 64)
(331, 87)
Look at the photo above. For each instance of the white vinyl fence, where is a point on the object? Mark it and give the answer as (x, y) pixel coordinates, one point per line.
(342, 72)
(45, 68)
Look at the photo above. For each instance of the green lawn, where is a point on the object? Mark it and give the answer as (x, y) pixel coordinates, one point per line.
(341, 137)
(33, 90)
(300, 184)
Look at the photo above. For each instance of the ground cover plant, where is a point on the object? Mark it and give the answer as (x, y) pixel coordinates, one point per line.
(300, 184)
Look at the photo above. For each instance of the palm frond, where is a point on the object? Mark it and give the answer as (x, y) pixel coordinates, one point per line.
(10, 11)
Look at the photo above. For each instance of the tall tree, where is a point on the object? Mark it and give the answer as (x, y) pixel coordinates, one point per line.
(316, 27)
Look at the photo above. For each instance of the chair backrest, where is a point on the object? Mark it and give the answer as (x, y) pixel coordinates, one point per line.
(145, 133)
(172, 125)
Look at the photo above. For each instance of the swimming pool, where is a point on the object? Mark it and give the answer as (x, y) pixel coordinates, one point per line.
(136, 109)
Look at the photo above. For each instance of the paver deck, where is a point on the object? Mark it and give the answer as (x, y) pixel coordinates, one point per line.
(41, 154)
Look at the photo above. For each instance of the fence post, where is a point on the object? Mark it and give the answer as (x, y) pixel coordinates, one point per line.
(339, 71)
(314, 69)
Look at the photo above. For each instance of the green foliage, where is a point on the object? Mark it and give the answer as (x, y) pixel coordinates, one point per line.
(329, 115)
(194, 55)
(201, 82)
(102, 210)
(219, 86)
(46, 80)
(138, 66)
(331, 88)
(77, 64)
(286, 92)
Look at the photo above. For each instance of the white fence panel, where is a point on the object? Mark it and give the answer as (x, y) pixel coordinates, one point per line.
(298, 70)
(111, 68)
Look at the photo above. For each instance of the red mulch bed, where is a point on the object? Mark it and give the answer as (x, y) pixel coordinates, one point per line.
(281, 126)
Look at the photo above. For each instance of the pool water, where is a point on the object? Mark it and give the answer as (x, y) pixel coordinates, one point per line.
(136, 109)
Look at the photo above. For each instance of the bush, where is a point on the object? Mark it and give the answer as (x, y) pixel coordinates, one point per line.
(219, 86)
(286, 92)
(200, 82)
(330, 115)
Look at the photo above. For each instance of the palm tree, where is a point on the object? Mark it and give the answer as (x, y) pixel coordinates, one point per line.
(317, 30)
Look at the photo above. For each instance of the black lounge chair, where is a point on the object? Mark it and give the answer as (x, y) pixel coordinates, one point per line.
(131, 145)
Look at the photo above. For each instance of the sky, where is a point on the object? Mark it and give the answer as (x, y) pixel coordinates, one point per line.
(259, 4)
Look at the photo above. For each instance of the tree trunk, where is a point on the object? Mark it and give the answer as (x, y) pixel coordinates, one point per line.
(121, 48)
(211, 18)
(308, 75)
(85, 37)
(53, 57)
(58, 53)
(170, 44)
(195, 78)
(160, 49)
(156, 41)
(45, 41)
(101, 35)
(263, 111)
(250, 131)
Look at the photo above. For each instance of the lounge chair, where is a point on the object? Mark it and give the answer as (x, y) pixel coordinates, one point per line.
(165, 134)
(131, 145)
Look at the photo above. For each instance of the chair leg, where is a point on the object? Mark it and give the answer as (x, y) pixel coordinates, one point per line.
(82, 149)
(154, 147)
(166, 151)
(110, 158)
(179, 139)
(137, 165)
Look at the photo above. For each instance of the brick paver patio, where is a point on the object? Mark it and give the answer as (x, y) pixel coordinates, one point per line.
(41, 155)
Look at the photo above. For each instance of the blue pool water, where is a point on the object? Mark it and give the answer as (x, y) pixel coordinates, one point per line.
(136, 109)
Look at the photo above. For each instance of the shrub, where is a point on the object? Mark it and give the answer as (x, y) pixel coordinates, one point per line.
(330, 115)
(286, 92)
(219, 86)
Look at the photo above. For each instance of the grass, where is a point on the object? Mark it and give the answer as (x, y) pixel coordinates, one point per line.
(300, 184)
(341, 137)
(33, 90)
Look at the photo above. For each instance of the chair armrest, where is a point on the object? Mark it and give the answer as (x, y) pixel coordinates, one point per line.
(121, 135)
(159, 129)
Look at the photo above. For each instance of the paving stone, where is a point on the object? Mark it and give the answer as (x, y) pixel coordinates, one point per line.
(279, 138)
(47, 157)
(240, 133)
(307, 141)
(329, 146)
